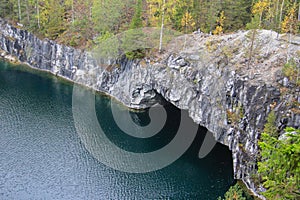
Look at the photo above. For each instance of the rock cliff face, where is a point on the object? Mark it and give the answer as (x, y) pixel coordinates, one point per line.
(214, 78)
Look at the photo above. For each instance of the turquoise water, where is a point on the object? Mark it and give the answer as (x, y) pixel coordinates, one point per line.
(43, 157)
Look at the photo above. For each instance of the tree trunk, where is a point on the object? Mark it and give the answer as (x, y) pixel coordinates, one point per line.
(185, 36)
(27, 12)
(276, 14)
(288, 49)
(210, 23)
(91, 13)
(251, 48)
(162, 27)
(280, 18)
(19, 10)
(281, 10)
(73, 11)
(38, 13)
(260, 19)
(299, 12)
(271, 18)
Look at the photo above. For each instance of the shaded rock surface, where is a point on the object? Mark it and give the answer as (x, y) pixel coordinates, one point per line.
(212, 77)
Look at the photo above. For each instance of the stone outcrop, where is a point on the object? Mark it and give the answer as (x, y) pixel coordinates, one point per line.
(213, 77)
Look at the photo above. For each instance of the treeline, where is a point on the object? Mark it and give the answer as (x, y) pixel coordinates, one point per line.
(80, 22)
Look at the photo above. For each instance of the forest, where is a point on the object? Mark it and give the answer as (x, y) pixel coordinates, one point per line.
(81, 23)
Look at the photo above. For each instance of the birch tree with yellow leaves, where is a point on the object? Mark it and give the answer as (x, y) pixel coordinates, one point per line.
(220, 22)
(187, 22)
(260, 8)
(289, 24)
(160, 12)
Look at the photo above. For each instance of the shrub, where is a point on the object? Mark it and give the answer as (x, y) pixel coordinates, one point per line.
(234, 193)
(279, 167)
(136, 54)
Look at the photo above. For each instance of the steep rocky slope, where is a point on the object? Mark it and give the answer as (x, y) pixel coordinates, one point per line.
(211, 76)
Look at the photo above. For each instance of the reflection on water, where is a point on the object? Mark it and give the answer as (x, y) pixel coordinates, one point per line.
(42, 156)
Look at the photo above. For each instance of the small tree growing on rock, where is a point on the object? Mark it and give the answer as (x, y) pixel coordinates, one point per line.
(220, 22)
(289, 24)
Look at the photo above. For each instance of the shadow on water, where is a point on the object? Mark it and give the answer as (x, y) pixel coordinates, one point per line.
(210, 172)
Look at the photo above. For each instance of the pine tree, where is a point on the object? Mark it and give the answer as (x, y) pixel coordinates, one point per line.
(137, 21)
(52, 19)
(200, 13)
(107, 14)
(238, 14)
(270, 126)
(234, 193)
(5, 6)
(279, 167)
(214, 8)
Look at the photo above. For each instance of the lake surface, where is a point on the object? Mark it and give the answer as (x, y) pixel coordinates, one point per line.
(43, 157)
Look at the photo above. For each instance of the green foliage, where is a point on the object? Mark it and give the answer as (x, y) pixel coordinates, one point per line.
(136, 54)
(103, 37)
(212, 45)
(279, 167)
(51, 17)
(87, 19)
(136, 21)
(254, 24)
(234, 193)
(289, 24)
(220, 21)
(74, 41)
(270, 126)
(107, 14)
(230, 51)
(214, 8)
(5, 6)
(237, 14)
(134, 43)
(187, 22)
(292, 71)
(181, 16)
(130, 43)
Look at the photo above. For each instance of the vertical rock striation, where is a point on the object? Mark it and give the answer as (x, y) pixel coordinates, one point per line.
(223, 90)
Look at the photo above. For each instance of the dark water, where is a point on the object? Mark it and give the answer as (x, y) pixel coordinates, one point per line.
(43, 157)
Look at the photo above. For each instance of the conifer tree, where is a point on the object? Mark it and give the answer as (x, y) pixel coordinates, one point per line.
(5, 8)
(279, 166)
(52, 19)
(238, 14)
(136, 21)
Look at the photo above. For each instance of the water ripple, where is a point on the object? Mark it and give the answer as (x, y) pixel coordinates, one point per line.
(42, 157)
